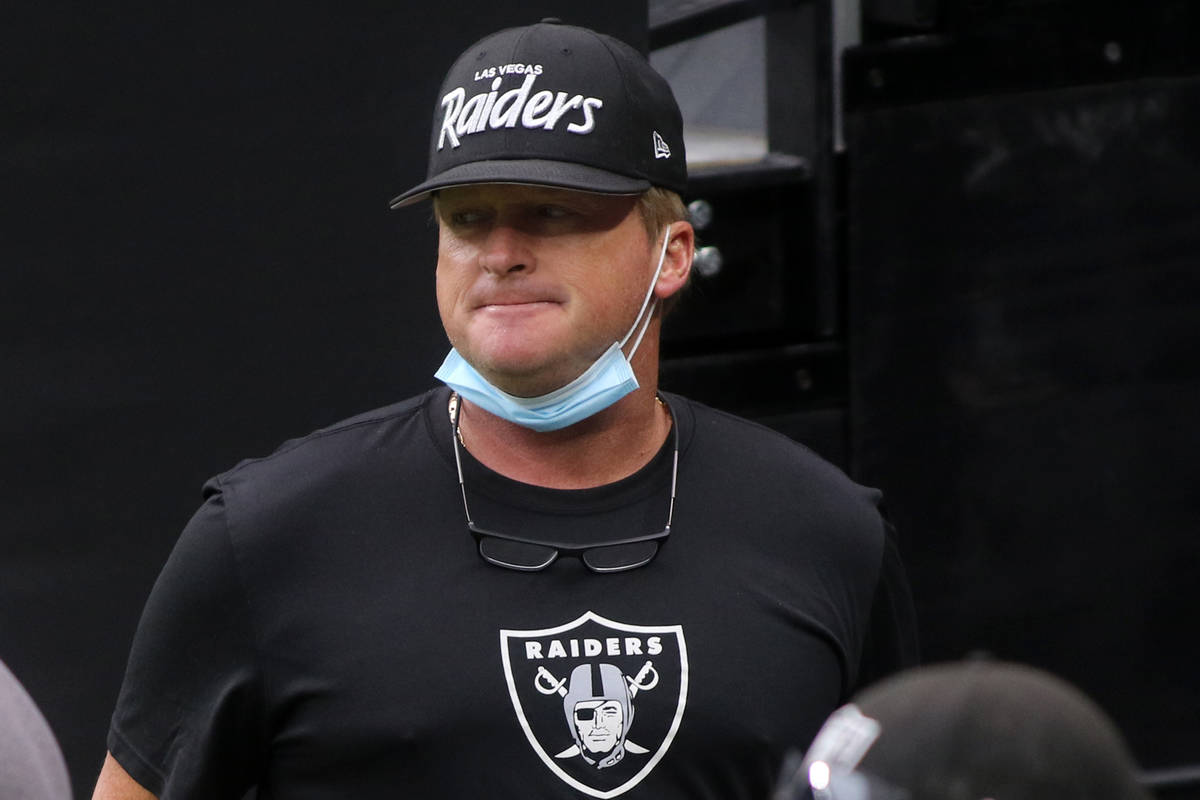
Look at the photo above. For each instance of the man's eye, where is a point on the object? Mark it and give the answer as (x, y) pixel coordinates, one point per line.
(553, 212)
(466, 217)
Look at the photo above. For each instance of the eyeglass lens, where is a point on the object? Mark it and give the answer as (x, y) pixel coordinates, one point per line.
(531, 557)
(516, 555)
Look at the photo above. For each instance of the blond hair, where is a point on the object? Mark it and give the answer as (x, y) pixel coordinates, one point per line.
(659, 208)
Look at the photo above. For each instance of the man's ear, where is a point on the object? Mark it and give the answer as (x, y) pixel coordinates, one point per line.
(677, 264)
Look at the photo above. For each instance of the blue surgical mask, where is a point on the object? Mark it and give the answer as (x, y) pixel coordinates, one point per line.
(606, 381)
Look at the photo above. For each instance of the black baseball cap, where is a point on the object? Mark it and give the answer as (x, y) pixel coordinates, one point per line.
(971, 730)
(554, 105)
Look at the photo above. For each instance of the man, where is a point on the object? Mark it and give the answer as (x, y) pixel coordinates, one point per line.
(399, 605)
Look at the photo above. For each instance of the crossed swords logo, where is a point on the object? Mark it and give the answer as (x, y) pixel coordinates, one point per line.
(645, 680)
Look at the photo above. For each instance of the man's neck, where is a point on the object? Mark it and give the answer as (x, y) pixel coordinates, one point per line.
(608, 446)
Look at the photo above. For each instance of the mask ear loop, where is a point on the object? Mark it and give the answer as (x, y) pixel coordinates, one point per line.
(646, 303)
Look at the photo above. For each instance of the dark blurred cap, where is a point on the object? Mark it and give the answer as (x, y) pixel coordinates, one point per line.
(971, 731)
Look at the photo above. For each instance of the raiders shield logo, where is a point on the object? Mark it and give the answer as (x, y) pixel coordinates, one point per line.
(600, 701)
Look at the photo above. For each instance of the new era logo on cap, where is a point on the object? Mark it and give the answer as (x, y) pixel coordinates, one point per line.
(660, 147)
(554, 105)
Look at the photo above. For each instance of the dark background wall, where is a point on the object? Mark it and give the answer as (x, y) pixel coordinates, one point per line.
(1026, 381)
(1023, 273)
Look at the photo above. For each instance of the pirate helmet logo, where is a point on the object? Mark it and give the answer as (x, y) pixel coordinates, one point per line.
(603, 674)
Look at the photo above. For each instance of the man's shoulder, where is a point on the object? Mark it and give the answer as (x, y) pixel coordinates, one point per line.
(762, 471)
(737, 439)
(332, 448)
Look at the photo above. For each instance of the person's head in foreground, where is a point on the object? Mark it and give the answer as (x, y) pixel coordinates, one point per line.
(973, 730)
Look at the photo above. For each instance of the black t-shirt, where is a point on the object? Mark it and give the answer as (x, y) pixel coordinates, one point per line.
(325, 627)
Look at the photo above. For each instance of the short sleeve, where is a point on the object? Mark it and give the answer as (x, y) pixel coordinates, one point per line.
(891, 642)
(189, 717)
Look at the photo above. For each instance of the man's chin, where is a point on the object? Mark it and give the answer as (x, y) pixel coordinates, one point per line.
(527, 375)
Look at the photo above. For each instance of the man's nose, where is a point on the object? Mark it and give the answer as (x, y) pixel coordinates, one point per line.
(505, 250)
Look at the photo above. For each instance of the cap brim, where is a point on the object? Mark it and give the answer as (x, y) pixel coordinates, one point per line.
(526, 171)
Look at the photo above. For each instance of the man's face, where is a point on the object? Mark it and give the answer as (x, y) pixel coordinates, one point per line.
(599, 724)
(534, 283)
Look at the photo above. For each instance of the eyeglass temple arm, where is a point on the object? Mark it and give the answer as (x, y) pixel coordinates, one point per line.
(674, 475)
(462, 487)
(454, 409)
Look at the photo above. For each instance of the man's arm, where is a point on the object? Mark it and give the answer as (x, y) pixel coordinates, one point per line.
(206, 747)
(115, 784)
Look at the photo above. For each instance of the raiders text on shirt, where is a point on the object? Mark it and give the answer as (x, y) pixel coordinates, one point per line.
(611, 646)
